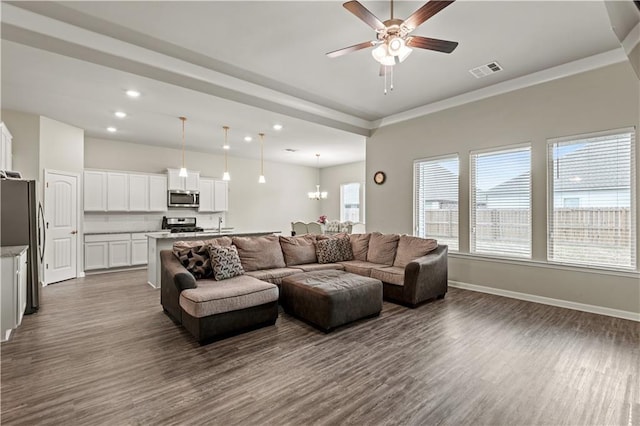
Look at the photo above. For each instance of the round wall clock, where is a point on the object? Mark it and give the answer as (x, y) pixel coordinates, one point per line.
(379, 178)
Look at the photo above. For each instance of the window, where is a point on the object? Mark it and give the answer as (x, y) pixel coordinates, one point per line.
(501, 202)
(350, 202)
(598, 228)
(436, 199)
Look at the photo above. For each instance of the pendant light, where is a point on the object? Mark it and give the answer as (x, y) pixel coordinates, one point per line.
(225, 175)
(183, 169)
(317, 195)
(261, 179)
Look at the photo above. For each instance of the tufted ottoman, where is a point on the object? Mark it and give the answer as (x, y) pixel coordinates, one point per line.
(329, 299)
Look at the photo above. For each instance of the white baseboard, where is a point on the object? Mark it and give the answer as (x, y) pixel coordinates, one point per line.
(601, 310)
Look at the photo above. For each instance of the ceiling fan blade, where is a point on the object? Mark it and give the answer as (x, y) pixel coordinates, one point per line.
(350, 49)
(432, 44)
(363, 13)
(425, 12)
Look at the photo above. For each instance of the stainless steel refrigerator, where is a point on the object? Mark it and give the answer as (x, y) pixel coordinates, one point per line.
(19, 226)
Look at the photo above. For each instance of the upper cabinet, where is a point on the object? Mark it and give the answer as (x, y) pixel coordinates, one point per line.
(5, 148)
(121, 191)
(117, 192)
(95, 191)
(190, 183)
(213, 195)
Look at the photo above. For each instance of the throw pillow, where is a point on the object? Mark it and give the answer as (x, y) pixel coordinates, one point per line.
(410, 248)
(382, 248)
(334, 250)
(225, 262)
(299, 250)
(195, 259)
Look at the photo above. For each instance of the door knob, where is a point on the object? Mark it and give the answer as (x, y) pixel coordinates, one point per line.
(74, 232)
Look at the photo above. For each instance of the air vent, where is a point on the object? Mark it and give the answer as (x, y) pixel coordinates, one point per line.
(485, 70)
(290, 150)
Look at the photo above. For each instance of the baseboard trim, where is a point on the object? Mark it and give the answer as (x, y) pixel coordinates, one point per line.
(601, 310)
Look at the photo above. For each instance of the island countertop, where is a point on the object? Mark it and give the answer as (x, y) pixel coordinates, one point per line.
(164, 240)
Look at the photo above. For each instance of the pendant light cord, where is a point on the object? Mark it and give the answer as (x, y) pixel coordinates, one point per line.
(261, 153)
(226, 148)
(183, 119)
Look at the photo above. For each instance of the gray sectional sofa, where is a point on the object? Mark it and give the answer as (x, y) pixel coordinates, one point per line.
(412, 270)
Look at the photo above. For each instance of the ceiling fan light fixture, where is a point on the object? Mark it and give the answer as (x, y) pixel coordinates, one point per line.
(381, 54)
(395, 46)
(404, 53)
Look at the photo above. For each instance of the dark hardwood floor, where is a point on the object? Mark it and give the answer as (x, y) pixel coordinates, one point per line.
(101, 351)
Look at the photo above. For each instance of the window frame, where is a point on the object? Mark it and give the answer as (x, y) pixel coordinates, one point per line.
(450, 156)
(472, 196)
(632, 197)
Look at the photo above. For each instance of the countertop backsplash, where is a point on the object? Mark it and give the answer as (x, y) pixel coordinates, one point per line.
(145, 222)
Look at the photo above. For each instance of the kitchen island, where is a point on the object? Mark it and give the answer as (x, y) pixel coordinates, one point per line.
(164, 240)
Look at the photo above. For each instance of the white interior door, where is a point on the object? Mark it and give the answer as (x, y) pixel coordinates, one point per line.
(61, 221)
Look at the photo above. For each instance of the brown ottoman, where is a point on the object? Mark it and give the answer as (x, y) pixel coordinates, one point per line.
(329, 299)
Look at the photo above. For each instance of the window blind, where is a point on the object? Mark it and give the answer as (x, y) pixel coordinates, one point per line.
(592, 200)
(436, 199)
(500, 202)
(350, 202)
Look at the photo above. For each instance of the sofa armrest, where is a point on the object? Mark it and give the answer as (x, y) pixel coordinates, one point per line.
(426, 277)
(173, 273)
(174, 278)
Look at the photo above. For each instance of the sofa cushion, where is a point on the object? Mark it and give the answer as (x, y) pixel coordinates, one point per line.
(360, 246)
(195, 259)
(359, 267)
(410, 248)
(310, 267)
(382, 248)
(259, 252)
(215, 297)
(389, 274)
(225, 262)
(334, 250)
(219, 241)
(275, 275)
(299, 250)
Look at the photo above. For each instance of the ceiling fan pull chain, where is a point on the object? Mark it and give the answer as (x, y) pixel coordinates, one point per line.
(385, 80)
(391, 87)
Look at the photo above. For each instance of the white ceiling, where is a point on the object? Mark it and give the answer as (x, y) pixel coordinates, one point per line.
(252, 64)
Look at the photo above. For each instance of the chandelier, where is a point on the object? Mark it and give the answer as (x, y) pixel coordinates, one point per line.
(317, 194)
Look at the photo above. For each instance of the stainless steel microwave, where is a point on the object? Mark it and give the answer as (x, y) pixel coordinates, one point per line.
(180, 198)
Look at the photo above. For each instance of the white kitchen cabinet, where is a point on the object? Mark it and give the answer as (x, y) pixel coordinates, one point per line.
(207, 196)
(117, 191)
(139, 249)
(120, 253)
(213, 195)
(221, 196)
(138, 193)
(95, 191)
(13, 295)
(96, 255)
(190, 183)
(157, 193)
(6, 162)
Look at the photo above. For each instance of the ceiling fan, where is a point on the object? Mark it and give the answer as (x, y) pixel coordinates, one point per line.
(393, 39)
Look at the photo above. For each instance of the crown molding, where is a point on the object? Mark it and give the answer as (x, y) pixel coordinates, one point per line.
(565, 70)
(632, 39)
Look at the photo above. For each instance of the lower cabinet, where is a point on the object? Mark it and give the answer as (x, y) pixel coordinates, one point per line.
(13, 295)
(104, 251)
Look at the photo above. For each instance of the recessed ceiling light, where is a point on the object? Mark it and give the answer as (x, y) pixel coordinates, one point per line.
(277, 127)
(120, 114)
(133, 93)
(248, 138)
(111, 129)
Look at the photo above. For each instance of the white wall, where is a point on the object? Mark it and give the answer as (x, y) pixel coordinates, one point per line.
(601, 99)
(25, 129)
(330, 180)
(61, 146)
(271, 206)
